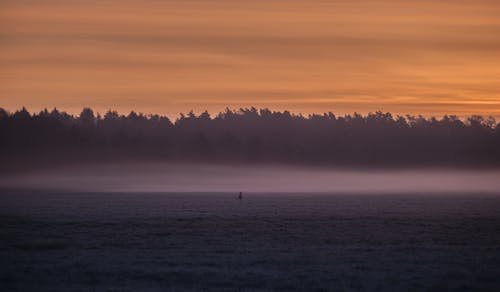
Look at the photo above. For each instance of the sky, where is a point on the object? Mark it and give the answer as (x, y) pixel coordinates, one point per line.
(406, 57)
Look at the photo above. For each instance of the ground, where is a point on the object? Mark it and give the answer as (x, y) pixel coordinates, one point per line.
(73, 241)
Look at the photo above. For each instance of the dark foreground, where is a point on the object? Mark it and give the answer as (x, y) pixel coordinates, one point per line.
(160, 241)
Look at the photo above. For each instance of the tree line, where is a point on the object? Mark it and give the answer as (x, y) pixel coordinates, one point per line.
(249, 135)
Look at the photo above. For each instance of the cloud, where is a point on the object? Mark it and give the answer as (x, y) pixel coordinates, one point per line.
(63, 53)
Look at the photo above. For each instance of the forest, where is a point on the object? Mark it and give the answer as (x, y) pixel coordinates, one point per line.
(248, 135)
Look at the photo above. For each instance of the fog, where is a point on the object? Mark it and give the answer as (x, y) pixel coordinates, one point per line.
(133, 177)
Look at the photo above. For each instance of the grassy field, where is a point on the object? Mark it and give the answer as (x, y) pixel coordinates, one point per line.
(57, 241)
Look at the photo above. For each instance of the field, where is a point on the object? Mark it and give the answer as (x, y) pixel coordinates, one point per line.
(76, 241)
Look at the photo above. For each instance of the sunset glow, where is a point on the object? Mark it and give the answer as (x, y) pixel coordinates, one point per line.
(406, 57)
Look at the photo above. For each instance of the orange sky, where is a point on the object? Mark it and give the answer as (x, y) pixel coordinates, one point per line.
(428, 57)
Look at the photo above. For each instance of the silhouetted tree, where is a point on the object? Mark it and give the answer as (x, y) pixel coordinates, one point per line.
(87, 117)
(250, 135)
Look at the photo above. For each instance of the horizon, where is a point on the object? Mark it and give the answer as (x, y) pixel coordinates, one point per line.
(173, 119)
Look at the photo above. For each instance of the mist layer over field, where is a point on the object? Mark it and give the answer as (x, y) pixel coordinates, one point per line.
(225, 178)
(157, 227)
